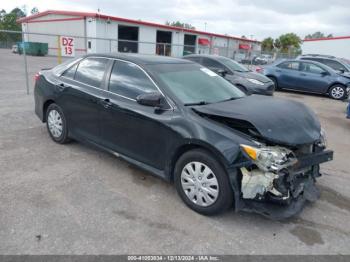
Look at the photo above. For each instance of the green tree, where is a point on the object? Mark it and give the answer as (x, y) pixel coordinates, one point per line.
(289, 41)
(267, 44)
(8, 21)
(34, 10)
(180, 24)
(317, 35)
(277, 43)
(18, 12)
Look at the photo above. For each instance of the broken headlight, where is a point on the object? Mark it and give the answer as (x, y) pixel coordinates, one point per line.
(323, 140)
(270, 158)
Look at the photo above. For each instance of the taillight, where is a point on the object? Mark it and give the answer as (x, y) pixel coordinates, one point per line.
(260, 70)
(36, 77)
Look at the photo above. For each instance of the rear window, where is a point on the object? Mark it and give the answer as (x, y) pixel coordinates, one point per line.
(289, 65)
(70, 73)
(91, 70)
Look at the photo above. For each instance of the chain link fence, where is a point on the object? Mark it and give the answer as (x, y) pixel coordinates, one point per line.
(35, 51)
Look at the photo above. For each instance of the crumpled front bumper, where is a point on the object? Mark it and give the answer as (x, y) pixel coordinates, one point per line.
(304, 189)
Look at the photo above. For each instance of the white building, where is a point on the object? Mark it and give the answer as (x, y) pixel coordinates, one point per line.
(126, 35)
(335, 46)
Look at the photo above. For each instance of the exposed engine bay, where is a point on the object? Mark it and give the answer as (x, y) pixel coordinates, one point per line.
(282, 178)
(266, 176)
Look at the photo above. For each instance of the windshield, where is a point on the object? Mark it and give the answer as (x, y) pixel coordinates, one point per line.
(193, 84)
(346, 62)
(233, 65)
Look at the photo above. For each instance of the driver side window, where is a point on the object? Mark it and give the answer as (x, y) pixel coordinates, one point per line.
(213, 65)
(311, 68)
(129, 80)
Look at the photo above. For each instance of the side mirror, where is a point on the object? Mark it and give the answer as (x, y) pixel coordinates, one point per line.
(222, 72)
(324, 73)
(342, 70)
(154, 99)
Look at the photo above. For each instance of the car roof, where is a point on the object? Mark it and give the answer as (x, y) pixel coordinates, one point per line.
(216, 57)
(142, 59)
(306, 61)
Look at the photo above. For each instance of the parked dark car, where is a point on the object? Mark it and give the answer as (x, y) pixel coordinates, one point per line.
(338, 64)
(246, 80)
(184, 123)
(308, 76)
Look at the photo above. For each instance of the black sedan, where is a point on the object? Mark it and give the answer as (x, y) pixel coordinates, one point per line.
(185, 124)
(246, 80)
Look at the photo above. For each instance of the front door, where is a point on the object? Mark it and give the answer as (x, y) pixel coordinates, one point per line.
(134, 130)
(313, 78)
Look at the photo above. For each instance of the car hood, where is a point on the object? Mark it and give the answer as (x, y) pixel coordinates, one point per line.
(276, 120)
(345, 74)
(252, 75)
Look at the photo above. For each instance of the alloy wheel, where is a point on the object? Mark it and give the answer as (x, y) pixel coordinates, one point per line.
(337, 92)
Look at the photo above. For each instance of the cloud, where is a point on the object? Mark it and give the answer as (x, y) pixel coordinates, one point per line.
(235, 17)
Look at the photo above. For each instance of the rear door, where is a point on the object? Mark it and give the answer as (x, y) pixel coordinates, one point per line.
(81, 89)
(134, 130)
(288, 74)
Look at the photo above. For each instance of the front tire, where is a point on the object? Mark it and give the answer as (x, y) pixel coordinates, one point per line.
(337, 92)
(203, 183)
(56, 124)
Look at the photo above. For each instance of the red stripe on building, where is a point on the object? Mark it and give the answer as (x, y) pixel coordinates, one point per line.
(327, 38)
(56, 20)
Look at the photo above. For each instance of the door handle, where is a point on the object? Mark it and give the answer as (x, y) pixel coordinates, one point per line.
(302, 74)
(278, 70)
(106, 103)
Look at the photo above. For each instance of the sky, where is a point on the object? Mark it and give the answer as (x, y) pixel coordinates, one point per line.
(255, 19)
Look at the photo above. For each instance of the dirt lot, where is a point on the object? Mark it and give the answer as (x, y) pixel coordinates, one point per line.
(73, 199)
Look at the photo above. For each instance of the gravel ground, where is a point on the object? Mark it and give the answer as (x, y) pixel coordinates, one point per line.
(73, 199)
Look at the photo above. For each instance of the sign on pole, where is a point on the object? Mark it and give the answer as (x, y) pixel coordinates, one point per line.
(67, 46)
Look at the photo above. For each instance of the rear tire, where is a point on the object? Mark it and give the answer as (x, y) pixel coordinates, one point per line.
(337, 92)
(203, 183)
(56, 124)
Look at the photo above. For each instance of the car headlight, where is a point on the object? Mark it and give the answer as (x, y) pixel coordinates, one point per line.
(323, 139)
(254, 81)
(270, 158)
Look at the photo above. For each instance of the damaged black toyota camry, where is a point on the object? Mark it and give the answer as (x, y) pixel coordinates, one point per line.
(187, 125)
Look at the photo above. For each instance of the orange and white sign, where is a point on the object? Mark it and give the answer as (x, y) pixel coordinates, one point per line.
(67, 46)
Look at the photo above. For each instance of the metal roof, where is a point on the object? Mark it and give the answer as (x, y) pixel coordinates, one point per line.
(30, 18)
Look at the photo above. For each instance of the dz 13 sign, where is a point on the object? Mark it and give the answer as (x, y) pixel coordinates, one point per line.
(67, 46)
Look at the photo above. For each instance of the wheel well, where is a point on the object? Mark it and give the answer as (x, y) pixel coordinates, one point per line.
(271, 76)
(46, 105)
(335, 84)
(185, 148)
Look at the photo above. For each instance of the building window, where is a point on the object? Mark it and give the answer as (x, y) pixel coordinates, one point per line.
(128, 37)
(163, 46)
(190, 44)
